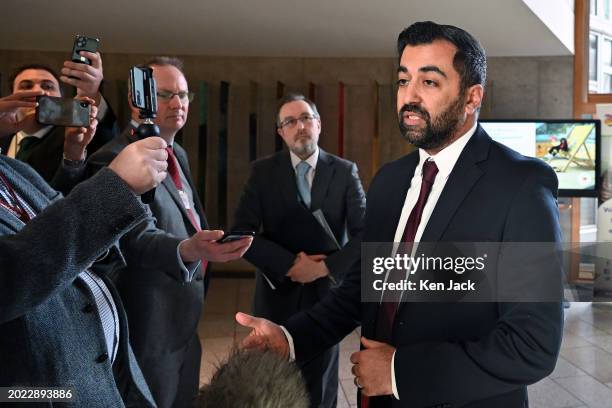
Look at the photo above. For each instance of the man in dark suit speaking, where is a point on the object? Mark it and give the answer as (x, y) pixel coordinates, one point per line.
(460, 186)
(297, 260)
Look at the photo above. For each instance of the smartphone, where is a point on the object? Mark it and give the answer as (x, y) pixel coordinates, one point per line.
(143, 90)
(62, 111)
(235, 236)
(82, 43)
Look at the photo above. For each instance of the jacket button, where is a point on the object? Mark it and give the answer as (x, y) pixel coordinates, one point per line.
(89, 308)
(102, 358)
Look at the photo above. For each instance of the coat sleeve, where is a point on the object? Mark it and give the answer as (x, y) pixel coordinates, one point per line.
(271, 258)
(63, 240)
(147, 245)
(355, 202)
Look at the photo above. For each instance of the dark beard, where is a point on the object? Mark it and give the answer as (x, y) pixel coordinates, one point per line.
(437, 132)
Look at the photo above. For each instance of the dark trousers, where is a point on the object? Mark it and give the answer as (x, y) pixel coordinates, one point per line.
(174, 378)
(321, 376)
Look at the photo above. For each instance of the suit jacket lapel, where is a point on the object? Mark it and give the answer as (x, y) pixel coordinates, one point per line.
(34, 197)
(183, 163)
(168, 184)
(395, 197)
(10, 220)
(460, 182)
(285, 176)
(324, 174)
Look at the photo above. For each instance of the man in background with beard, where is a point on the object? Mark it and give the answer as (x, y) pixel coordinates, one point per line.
(277, 202)
(460, 186)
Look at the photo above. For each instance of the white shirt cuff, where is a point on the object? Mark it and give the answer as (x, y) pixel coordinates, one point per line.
(290, 341)
(393, 385)
(102, 108)
(188, 273)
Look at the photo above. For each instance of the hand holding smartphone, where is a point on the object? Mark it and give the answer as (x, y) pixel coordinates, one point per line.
(235, 236)
(83, 43)
(62, 111)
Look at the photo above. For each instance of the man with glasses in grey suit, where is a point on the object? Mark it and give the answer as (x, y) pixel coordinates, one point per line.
(163, 285)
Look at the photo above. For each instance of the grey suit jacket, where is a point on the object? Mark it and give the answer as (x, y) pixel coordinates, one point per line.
(266, 205)
(163, 307)
(50, 334)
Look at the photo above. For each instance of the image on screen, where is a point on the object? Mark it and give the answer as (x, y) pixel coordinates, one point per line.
(569, 147)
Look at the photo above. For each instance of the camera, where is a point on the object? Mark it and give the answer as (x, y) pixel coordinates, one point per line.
(83, 43)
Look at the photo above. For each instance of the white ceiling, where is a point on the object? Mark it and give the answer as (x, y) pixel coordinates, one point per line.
(307, 28)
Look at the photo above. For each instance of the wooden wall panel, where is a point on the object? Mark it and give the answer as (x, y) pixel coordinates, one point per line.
(266, 128)
(359, 125)
(327, 104)
(210, 205)
(238, 147)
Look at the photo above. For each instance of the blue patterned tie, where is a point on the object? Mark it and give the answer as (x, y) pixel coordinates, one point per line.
(302, 184)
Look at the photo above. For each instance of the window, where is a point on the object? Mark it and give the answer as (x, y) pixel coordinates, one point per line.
(593, 61)
(600, 47)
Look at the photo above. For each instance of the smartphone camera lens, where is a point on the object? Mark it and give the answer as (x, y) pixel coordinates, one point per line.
(84, 104)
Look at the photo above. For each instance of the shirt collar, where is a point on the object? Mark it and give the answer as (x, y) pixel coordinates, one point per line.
(446, 158)
(40, 134)
(312, 160)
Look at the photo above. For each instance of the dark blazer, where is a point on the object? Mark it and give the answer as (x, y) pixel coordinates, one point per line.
(163, 309)
(45, 156)
(457, 355)
(269, 199)
(50, 334)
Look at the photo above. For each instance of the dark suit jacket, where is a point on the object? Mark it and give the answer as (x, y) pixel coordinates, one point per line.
(162, 307)
(49, 333)
(45, 156)
(269, 200)
(457, 355)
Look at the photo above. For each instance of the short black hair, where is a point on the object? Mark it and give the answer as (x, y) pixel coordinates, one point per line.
(292, 97)
(470, 60)
(41, 67)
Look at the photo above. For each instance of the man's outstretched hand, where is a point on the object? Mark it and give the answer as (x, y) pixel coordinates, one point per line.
(264, 335)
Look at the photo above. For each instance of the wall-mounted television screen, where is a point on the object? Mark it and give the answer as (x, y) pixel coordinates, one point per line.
(570, 147)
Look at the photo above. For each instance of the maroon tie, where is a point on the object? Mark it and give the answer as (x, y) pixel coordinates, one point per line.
(173, 171)
(387, 309)
(386, 312)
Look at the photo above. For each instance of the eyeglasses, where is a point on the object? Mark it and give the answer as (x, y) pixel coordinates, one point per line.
(183, 95)
(292, 122)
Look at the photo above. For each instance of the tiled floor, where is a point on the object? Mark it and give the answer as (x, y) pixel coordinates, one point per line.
(582, 378)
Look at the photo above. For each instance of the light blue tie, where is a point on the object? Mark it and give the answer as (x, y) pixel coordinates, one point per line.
(302, 184)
